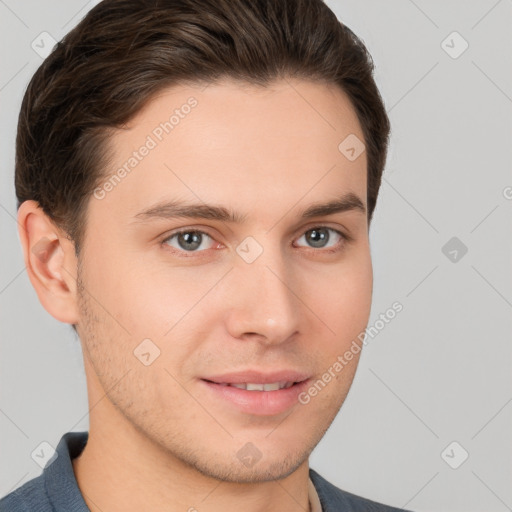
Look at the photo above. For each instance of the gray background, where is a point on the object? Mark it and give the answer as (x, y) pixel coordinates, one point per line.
(440, 371)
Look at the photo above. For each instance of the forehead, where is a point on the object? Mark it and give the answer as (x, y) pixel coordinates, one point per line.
(237, 144)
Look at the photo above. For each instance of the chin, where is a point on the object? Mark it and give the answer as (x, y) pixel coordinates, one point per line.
(260, 472)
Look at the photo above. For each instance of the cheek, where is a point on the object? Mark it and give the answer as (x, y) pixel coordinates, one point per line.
(144, 297)
(342, 297)
(149, 299)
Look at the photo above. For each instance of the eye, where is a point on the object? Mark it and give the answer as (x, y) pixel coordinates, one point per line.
(189, 241)
(320, 237)
(196, 241)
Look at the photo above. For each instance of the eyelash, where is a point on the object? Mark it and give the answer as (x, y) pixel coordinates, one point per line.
(189, 254)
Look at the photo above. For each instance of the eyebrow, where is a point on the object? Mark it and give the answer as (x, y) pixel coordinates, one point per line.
(179, 209)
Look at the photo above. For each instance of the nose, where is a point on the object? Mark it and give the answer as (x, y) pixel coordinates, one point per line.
(263, 303)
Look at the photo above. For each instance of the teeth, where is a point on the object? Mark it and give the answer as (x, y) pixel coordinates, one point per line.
(274, 386)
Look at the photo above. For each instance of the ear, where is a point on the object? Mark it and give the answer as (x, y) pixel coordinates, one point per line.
(50, 261)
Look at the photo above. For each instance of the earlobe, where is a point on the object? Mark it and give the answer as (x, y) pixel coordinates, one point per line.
(50, 262)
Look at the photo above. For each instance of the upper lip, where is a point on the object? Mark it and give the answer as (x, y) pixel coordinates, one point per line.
(258, 377)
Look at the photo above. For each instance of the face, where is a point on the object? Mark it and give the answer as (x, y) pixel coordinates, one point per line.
(172, 299)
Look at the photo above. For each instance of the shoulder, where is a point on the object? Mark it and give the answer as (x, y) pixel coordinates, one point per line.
(56, 487)
(334, 499)
(30, 497)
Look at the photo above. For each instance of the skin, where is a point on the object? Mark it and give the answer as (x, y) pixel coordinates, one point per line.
(268, 154)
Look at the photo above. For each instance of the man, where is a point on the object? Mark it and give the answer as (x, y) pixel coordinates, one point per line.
(196, 181)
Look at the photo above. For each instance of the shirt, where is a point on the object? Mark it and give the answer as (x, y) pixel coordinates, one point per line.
(56, 489)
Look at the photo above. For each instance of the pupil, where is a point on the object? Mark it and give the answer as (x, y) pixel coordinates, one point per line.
(318, 237)
(192, 238)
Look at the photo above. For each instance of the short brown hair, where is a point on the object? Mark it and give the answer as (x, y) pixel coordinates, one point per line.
(124, 51)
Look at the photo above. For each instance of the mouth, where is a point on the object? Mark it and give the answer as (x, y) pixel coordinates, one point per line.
(255, 398)
(253, 386)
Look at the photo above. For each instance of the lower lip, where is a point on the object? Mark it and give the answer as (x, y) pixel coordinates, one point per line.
(263, 403)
